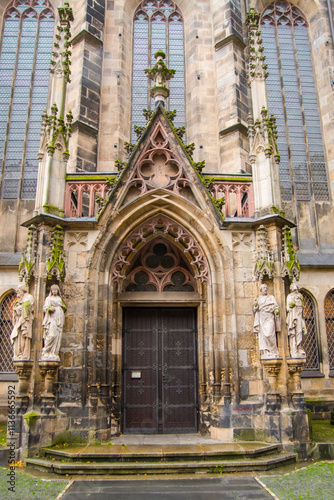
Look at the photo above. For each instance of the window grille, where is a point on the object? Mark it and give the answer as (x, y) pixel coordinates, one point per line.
(158, 25)
(6, 327)
(292, 99)
(329, 318)
(26, 48)
(310, 342)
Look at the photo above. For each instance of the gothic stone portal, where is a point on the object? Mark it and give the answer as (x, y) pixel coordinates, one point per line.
(159, 370)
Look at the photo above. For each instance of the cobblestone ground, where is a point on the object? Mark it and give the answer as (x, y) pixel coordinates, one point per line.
(313, 482)
(28, 487)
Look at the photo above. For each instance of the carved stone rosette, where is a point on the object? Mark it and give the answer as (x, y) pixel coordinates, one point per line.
(23, 369)
(48, 371)
(272, 368)
(295, 367)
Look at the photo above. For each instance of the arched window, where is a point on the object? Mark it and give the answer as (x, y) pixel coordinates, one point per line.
(26, 47)
(329, 318)
(292, 99)
(157, 26)
(6, 326)
(310, 341)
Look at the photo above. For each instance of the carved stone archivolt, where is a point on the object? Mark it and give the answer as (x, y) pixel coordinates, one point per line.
(160, 226)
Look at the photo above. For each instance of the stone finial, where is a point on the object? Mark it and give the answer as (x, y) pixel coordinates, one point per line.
(264, 262)
(263, 136)
(60, 63)
(55, 133)
(55, 263)
(289, 262)
(257, 66)
(160, 74)
(28, 260)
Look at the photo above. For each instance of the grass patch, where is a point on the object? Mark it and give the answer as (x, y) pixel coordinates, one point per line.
(3, 434)
(322, 431)
(68, 438)
(313, 482)
(29, 488)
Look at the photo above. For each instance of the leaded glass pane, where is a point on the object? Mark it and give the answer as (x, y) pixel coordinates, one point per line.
(157, 25)
(20, 46)
(329, 318)
(6, 326)
(289, 62)
(310, 341)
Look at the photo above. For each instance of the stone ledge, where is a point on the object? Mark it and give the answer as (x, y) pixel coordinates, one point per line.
(230, 39)
(236, 127)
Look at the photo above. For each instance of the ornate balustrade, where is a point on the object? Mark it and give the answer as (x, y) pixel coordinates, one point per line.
(82, 189)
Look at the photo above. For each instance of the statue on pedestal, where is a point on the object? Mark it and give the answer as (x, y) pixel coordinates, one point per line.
(54, 315)
(23, 315)
(295, 322)
(266, 323)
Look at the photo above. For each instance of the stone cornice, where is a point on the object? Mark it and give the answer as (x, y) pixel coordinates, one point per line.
(84, 127)
(85, 35)
(230, 39)
(240, 127)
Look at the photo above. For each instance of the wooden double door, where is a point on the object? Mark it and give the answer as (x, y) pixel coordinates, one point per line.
(159, 370)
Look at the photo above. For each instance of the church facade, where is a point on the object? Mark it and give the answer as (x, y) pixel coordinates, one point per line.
(159, 221)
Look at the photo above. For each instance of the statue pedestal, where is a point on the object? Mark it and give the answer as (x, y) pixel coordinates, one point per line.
(48, 370)
(272, 368)
(23, 368)
(295, 367)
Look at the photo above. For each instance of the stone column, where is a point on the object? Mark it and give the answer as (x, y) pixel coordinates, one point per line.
(48, 370)
(295, 367)
(23, 369)
(272, 368)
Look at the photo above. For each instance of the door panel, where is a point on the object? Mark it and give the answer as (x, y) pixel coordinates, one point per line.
(160, 370)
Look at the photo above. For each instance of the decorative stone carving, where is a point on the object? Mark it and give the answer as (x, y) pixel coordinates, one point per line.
(267, 322)
(160, 74)
(164, 225)
(263, 136)
(27, 264)
(272, 368)
(77, 240)
(242, 241)
(295, 367)
(23, 369)
(257, 66)
(23, 315)
(48, 370)
(264, 261)
(53, 322)
(55, 133)
(295, 322)
(290, 264)
(158, 167)
(55, 263)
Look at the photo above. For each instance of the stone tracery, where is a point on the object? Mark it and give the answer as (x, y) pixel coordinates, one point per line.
(159, 225)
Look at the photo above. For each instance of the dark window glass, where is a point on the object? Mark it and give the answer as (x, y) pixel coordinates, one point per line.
(292, 99)
(24, 79)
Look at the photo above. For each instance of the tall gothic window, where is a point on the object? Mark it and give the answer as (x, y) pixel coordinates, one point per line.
(26, 47)
(6, 326)
(329, 318)
(292, 99)
(158, 25)
(310, 341)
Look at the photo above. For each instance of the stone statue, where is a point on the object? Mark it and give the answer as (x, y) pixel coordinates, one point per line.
(23, 315)
(295, 322)
(267, 322)
(54, 314)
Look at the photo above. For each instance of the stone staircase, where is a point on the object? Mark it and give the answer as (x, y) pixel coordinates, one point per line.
(173, 458)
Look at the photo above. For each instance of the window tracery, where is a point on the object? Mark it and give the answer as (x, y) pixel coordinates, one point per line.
(329, 319)
(158, 25)
(6, 326)
(26, 48)
(310, 341)
(292, 99)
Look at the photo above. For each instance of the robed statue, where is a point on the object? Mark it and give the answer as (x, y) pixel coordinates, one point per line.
(54, 315)
(267, 322)
(295, 322)
(23, 316)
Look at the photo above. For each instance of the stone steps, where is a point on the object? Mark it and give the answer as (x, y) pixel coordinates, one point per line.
(172, 459)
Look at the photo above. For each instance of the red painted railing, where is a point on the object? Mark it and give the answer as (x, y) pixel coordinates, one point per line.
(80, 195)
